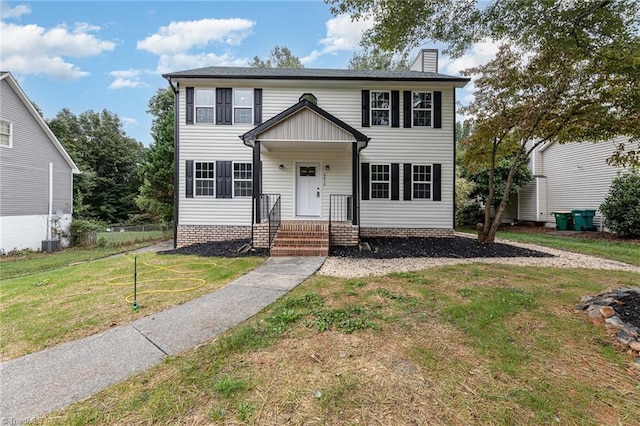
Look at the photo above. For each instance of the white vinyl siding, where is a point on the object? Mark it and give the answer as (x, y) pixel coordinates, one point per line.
(420, 145)
(205, 105)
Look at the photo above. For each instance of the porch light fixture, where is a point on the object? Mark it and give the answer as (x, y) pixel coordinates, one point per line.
(281, 166)
(327, 167)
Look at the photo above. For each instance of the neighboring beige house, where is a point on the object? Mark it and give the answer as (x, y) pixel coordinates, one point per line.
(572, 176)
(274, 153)
(36, 173)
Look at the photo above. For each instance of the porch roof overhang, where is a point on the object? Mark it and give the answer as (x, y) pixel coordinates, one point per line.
(305, 126)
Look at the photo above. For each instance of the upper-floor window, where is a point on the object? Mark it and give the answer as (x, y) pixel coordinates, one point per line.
(205, 104)
(380, 180)
(205, 178)
(242, 179)
(422, 108)
(6, 133)
(421, 181)
(243, 106)
(380, 108)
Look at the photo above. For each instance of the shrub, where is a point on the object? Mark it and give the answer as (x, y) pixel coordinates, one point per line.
(83, 232)
(469, 214)
(621, 207)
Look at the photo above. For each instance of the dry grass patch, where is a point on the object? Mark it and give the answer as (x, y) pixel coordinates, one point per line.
(480, 344)
(48, 308)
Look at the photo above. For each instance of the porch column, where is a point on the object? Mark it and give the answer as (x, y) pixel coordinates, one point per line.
(257, 175)
(355, 183)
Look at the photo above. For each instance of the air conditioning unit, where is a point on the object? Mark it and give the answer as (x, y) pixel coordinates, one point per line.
(50, 246)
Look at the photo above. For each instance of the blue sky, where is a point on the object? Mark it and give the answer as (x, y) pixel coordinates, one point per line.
(92, 55)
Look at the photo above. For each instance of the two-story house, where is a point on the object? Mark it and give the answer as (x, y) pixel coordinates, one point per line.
(36, 175)
(268, 153)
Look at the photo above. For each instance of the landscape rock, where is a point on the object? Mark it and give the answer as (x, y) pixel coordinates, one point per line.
(607, 311)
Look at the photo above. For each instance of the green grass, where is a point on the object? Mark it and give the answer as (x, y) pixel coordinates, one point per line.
(46, 308)
(130, 237)
(11, 267)
(627, 252)
(465, 344)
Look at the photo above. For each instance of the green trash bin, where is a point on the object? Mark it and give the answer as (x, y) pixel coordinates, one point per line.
(564, 221)
(583, 219)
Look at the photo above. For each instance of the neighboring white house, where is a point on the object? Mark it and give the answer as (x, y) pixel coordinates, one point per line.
(36, 173)
(572, 176)
(371, 151)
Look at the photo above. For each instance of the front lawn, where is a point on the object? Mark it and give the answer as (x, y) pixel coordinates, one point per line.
(46, 308)
(458, 345)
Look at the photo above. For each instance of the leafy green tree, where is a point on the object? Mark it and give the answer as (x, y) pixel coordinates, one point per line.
(156, 192)
(566, 72)
(377, 59)
(279, 57)
(108, 159)
(621, 207)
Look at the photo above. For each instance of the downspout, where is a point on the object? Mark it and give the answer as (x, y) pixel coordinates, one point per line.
(176, 159)
(454, 158)
(50, 201)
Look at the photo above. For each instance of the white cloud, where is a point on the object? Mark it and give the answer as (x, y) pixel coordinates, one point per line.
(128, 122)
(185, 61)
(342, 35)
(31, 49)
(179, 37)
(478, 54)
(13, 12)
(125, 79)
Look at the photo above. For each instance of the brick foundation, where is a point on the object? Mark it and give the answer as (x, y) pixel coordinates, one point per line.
(344, 234)
(407, 232)
(195, 234)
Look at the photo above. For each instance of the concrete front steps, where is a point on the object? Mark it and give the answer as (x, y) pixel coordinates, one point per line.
(301, 238)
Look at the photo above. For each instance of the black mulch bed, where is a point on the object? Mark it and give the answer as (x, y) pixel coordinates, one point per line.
(630, 311)
(219, 249)
(381, 248)
(457, 247)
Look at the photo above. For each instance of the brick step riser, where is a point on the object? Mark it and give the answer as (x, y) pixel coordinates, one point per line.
(304, 228)
(303, 235)
(300, 243)
(279, 251)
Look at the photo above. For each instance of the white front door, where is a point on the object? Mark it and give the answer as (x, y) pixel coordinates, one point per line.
(308, 196)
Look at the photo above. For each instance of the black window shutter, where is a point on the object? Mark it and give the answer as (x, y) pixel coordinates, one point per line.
(364, 178)
(223, 179)
(437, 182)
(365, 108)
(395, 108)
(189, 94)
(407, 184)
(408, 116)
(437, 110)
(189, 179)
(224, 110)
(395, 181)
(257, 106)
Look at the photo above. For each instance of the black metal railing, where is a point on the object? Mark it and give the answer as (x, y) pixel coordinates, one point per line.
(340, 209)
(270, 210)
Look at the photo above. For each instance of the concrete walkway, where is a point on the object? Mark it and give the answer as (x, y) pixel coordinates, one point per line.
(36, 384)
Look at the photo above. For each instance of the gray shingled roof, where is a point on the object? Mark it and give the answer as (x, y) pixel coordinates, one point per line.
(311, 74)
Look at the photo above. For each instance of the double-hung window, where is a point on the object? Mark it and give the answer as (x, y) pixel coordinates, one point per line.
(6, 133)
(380, 108)
(243, 106)
(242, 180)
(422, 107)
(205, 104)
(380, 180)
(205, 179)
(421, 181)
